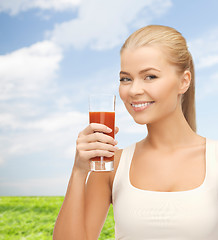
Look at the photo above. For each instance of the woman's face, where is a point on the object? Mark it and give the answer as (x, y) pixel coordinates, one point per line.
(149, 84)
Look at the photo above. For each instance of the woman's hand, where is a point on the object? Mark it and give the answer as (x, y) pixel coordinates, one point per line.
(92, 142)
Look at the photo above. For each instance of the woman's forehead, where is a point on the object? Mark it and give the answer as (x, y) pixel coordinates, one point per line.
(143, 55)
(134, 60)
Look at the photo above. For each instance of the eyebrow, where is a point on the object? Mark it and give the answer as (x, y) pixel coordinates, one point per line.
(142, 71)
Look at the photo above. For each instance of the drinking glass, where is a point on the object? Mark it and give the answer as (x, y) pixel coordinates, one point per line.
(102, 110)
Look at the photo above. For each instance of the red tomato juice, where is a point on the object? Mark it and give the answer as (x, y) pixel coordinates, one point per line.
(106, 118)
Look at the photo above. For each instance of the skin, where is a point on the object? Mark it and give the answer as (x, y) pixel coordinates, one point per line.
(170, 151)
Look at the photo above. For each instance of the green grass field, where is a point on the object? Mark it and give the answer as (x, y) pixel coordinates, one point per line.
(33, 218)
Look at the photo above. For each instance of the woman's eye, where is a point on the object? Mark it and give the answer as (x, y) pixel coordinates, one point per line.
(150, 77)
(125, 79)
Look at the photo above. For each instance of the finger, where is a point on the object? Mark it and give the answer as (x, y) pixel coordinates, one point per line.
(97, 137)
(96, 127)
(99, 153)
(98, 146)
(116, 130)
(95, 153)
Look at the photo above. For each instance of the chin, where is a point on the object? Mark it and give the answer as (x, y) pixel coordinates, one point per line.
(141, 121)
(138, 119)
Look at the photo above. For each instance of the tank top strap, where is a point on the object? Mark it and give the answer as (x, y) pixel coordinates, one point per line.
(121, 176)
(211, 155)
(212, 163)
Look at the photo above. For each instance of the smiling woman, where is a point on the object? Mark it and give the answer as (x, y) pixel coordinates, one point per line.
(156, 47)
(158, 85)
(164, 186)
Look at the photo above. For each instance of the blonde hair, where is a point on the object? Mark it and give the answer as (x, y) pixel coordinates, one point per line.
(178, 54)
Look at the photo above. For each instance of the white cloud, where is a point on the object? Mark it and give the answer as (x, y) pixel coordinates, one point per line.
(105, 24)
(14, 7)
(8, 121)
(57, 131)
(28, 70)
(58, 121)
(212, 87)
(209, 86)
(1, 160)
(51, 123)
(205, 49)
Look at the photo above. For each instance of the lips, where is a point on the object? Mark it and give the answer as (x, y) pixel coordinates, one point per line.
(139, 106)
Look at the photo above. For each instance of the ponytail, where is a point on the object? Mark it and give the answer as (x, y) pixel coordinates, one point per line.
(188, 100)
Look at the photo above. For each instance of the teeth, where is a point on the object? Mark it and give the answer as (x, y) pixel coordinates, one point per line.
(142, 104)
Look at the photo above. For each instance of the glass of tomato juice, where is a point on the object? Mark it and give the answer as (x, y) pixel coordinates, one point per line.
(102, 110)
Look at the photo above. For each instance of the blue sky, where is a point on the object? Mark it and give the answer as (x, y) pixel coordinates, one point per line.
(53, 53)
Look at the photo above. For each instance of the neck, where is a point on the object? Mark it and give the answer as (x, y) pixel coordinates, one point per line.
(171, 132)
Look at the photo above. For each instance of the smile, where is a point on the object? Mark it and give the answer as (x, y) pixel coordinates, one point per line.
(141, 106)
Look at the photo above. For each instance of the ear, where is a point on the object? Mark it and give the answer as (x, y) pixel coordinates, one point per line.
(185, 82)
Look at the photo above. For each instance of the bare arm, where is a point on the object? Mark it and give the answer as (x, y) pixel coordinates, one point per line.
(98, 199)
(85, 206)
(72, 211)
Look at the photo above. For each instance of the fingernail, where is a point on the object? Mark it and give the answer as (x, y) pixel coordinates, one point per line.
(109, 129)
(115, 142)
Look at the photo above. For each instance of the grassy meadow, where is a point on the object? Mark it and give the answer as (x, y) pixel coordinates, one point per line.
(33, 218)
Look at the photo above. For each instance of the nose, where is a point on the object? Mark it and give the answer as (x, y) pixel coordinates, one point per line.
(136, 88)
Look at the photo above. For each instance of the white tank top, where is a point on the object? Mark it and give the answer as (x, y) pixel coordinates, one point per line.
(153, 215)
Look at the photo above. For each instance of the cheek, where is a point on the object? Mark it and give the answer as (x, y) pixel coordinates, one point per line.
(167, 97)
(122, 93)
(163, 91)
